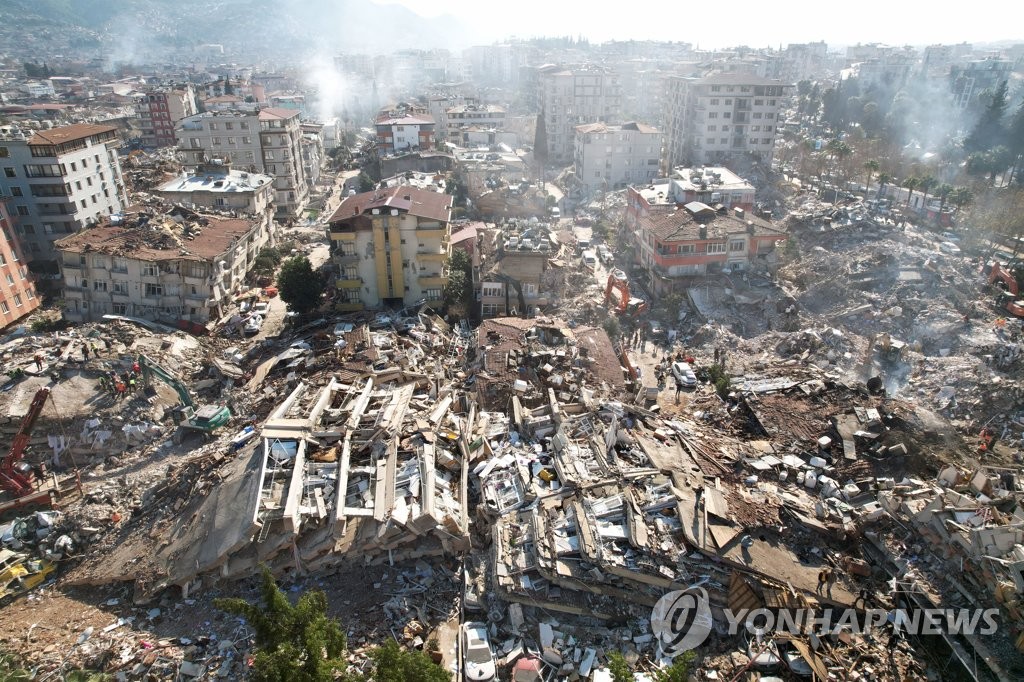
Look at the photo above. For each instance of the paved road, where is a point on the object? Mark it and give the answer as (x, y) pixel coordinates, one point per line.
(274, 322)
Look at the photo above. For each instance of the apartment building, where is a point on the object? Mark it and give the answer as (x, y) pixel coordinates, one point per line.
(570, 96)
(403, 133)
(266, 141)
(458, 120)
(391, 247)
(59, 181)
(722, 116)
(160, 110)
(17, 290)
(180, 267)
(609, 157)
(674, 245)
(219, 187)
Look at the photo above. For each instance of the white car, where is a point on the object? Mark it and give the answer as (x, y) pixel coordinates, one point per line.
(253, 325)
(950, 248)
(343, 328)
(684, 374)
(261, 309)
(476, 653)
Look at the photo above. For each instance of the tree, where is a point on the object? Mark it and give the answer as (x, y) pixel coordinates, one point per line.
(679, 671)
(1015, 140)
(229, 89)
(266, 262)
(292, 642)
(910, 183)
(299, 285)
(883, 180)
(960, 197)
(540, 144)
(988, 132)
(943, 191)
(871, 166)
(392, 664)
(457, 189)
(366, 183)
(458, 293)
(618, 667)
(924, 184)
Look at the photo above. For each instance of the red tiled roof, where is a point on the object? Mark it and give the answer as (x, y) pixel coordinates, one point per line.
(277, 113)
(418, 202)
(679, 225)
(65, 134)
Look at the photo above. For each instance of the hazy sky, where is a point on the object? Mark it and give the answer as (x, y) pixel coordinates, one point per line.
(757, 23)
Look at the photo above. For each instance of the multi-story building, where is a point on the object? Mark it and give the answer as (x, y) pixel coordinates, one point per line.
(17, 290)
(722, 116)
(178, 267)
(673, 245)
(460, 119)
(571, 96)
(391, 247)
(403, 133)
(608, 157)
(59, 181)
(973, 78)
(217, 186)
(711, 185)
(160, 110)
(266, 141)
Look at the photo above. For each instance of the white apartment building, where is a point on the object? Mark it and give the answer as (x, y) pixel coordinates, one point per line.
(722, 116)
(570, 96)
(609, 157)
(59, 181)
(266, 141)
(459, 120)
(176, 267)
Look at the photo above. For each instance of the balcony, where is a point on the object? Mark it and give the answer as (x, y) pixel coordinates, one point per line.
(346, 258)
(348, 282)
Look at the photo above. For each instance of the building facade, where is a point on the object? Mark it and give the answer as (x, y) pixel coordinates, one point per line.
(571, 96)
(481, 116)
(609, 157)
(720, 117)
(391, 247)
(59, 181)
(401, 134)
(160, 111)
(17, 290)
(266, 141)
(674, 245)
(176, 267)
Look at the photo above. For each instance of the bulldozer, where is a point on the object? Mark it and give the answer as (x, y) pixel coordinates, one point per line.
(1007, 283)
(626, 304)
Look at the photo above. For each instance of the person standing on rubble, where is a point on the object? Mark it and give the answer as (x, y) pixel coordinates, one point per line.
(39, 362)
(85, 352)
(679, 389)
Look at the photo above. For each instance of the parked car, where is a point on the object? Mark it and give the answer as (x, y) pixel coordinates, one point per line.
(380, 321)
(343, 328)
(684, 374)
(950, 248)
(605, 254)
(253, 325)
(478, 661)
(261, 308)
(656, 328)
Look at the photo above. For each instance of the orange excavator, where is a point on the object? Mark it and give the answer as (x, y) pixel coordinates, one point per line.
(16, 475)
(1006, 282)
(626, 305)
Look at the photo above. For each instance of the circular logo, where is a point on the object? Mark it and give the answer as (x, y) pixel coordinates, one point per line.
(681, 620)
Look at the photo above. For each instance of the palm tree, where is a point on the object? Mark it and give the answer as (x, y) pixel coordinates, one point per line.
(960, 197)
(910, 183)
(923, 184)
(883, 180)
(943, 191)
(871, 166)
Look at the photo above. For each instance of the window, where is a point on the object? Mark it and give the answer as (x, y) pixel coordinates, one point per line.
(771, 103)
(89, 180)
(120, 308)
(723, 140)
(120, 286)
(712, 129)
(17, 300)
(757, 114)
(119, 265)
(99, 262)
(231, 140)
(755, 129)
(4, 152)
(246, 140)
(758, 102)
(766, 140)
(9, 172)
(73, 166)
(728, 102)
(244, 125)
(737, 246)
(31, 293)
(41, 170)
(713, 114)
(492, 290)
(727, 114)
(710, 140)
(769, 116)
(150, 270)
(3, 261)
(16, 192)
(10, 278)
(216, 141)
(716, 248)
(4, 307)
(714, 102)
(154, 290)
(99, 286)
(29, 229)
(250, 156)
(23, 210)
(725, 129)
(351, 295)
(716, 88)
(432, 294)
(213, 126)
(268, 155)
(229, 126)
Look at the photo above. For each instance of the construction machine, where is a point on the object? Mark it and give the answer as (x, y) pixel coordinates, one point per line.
(1007, 282)
(205, 419)
(626, 305)
(16, 475)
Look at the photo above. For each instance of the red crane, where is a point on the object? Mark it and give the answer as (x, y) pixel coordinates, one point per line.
(15, 475)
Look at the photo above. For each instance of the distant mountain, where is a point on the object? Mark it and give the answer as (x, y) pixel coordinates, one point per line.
(147, 30)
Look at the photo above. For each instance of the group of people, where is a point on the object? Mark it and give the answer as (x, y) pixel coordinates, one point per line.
(119, 385)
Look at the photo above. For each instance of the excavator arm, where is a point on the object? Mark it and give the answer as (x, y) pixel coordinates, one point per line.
(151, 369)
(12, 478)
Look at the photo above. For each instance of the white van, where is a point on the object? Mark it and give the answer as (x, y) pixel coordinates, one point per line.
(589, 259)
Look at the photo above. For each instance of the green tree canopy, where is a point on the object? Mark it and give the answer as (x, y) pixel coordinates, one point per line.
(293, 643)
(619, 668)
(299, 285)
(393, 664)
(458, 293)
(989, 130)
